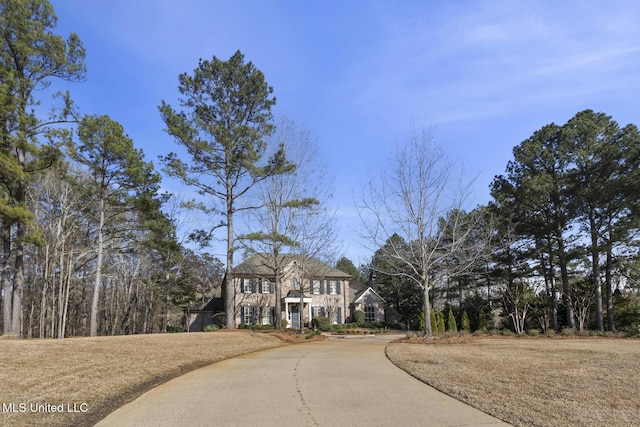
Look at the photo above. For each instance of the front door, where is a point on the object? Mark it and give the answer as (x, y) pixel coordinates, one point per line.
(295, 316)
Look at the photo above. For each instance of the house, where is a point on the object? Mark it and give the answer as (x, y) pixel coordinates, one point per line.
(369, 302)
(323, 290)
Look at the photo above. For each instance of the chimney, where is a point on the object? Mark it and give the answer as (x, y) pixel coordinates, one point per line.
(372, 280)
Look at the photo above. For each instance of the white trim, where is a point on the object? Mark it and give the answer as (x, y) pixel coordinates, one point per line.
(357, 300)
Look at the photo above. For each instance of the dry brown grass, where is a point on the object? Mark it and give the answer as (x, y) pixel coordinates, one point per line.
(105, 372)
(533, 381)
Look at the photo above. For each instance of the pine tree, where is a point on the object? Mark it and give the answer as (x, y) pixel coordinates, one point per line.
(434, 320)
(120, 177)
(31, 57)
(441, 325)
(224, 123)
(466, 325)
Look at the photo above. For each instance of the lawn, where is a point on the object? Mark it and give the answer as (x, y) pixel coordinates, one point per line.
(539, 381)
(87, 378)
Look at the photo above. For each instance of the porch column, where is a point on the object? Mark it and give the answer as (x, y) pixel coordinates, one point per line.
(286, 310)
(309, 314)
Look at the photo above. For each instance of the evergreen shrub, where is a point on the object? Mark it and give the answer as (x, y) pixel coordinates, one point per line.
(451, 322)
(321, 323)
(359, 317)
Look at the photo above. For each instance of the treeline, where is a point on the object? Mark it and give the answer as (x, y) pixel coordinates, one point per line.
(560, 239)
(86, 247)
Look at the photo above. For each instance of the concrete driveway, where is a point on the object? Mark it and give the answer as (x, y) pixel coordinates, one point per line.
(339, 382)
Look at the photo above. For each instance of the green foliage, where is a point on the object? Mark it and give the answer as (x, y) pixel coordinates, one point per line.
(359, 317)
(119, 171)
(256, 327)
(451, 322)
(374, 325)
(345, 264)
(434, 320)
(321, 323)
(211, 328)
(312, 334)
(627, 314)
(466, 325)
(567, 183)
(344, 327)
(404, 296)
(31, 57)
(223, 125)
(226, 117)
(441, 322)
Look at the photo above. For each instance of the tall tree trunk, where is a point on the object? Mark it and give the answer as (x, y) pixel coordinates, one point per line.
(428, 328)
(595, 268)
(230, 290)
(611, 324)
(278, 294)
(7, 300)
(93, 328)
(18, 282)
(43, 294)
(566, 287)
(67, 290)
(301, 308)
(553, 297)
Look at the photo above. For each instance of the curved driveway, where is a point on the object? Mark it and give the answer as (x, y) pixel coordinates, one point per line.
(338, 382)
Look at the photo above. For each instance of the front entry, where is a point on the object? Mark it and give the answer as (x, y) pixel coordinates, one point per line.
(294, 314)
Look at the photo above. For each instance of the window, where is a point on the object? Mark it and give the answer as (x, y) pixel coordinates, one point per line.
(369, 313)
(318, 312)
(246, 285)
(334, 287)
(267, 315)
(315, 287)
(247, 315)
(265, 287)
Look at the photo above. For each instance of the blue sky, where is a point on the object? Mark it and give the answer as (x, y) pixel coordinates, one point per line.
(484, 75)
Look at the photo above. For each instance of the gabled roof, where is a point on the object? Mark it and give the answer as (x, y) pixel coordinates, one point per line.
(360, 294)
(215, 305)
(262, 265)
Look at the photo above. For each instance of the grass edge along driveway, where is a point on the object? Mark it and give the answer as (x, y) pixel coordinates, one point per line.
(88, 378)
(538, 381)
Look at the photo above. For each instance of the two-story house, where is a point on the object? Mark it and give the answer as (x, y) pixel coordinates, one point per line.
(323, 290)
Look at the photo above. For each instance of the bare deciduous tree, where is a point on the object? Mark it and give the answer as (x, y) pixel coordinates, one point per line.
(416, 200)
(288, 200)
(517, 296)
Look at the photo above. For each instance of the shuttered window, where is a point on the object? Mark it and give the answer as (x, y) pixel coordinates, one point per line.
(266, 286)
(248, 315)
(246, 285)
(334, 287)
(318, 312)
(267, 315)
